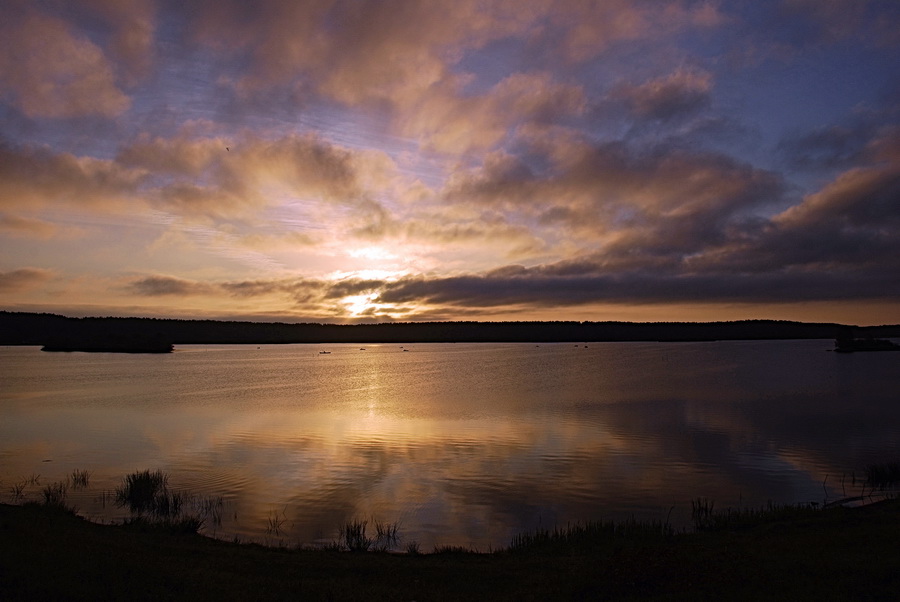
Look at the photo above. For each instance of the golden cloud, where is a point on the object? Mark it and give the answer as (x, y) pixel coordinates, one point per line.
(34, 178)
(27, 227)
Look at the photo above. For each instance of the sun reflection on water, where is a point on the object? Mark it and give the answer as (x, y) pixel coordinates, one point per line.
(461, 444)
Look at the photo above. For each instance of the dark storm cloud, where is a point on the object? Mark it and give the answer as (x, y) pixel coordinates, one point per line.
(536, 289)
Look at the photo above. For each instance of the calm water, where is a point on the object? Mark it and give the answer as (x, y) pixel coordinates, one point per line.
(462, 444)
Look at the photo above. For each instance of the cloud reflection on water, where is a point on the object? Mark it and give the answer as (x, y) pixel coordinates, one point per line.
(467, 445)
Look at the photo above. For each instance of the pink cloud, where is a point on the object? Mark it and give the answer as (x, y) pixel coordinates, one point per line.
(50, 71)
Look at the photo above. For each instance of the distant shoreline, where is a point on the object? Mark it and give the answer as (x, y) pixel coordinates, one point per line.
(19, 328)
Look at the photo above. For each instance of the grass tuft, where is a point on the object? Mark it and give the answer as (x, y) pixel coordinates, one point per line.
(18, 490)
(353, 537)
(591, 535)
(148, 497)
(80, 479)
(706, 518)
(454, 550)
(55, 496)
(387, 536)
(143, 491)
(275, 522)
(882, 476)
(210, 506)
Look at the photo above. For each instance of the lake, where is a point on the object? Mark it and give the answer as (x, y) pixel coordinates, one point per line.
(461, 444)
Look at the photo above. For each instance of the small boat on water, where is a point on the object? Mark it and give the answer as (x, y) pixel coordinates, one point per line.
(324, 353)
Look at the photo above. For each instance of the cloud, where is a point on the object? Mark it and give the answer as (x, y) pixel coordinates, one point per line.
(359, 52)
(25, 227)
(132, 36)
(637, 207)
(850, 228)
(448, 122)
(585, 29)
(853, 223)
(38, 177)
(23, 278)
(303, 290)
(872, 21)
(156, 286)
(232, 178)
(507, 154)
(681, 93)
(405, 59)
(540, 288)
(49, 70)
(834, 146)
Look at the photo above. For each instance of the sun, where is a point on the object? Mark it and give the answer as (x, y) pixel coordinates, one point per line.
(358, 305)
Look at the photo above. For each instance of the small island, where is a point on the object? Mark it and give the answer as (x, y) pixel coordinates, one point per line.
(112, 344)
(849, 345)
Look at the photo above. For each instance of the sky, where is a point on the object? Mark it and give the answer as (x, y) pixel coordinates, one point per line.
(409, 160)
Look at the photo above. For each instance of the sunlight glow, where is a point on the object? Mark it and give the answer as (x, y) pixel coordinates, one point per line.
(372, 253)
(359, 304)
(388, 275)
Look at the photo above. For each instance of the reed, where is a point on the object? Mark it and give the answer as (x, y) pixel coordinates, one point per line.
(353, 536)
(18, 490)
(210, 506)
(454, 550)
(186, 525)
(55, 496)
(105, 498)
(80, 479)
(387, 536)
(589, 535)
(882, 476)
(148, 497)
(706, 518)
(275, 522)
(143, 491)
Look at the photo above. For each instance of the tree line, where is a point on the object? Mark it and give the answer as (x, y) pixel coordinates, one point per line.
(19, 328)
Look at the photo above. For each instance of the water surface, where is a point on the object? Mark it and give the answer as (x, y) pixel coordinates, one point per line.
(462, 444)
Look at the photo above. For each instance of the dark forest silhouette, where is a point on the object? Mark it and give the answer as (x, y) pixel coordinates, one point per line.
(50, 329)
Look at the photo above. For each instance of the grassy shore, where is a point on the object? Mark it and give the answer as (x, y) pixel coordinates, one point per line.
(833, 554)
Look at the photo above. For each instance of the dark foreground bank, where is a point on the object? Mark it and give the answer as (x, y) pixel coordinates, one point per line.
(837, 554)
